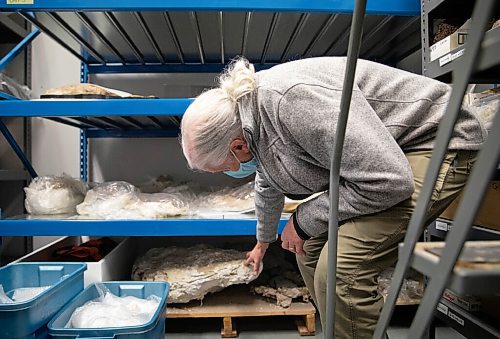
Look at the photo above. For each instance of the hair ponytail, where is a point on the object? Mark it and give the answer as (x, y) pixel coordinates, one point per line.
(238, 79)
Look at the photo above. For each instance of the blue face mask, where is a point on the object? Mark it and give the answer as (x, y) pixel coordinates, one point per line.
(246, 169)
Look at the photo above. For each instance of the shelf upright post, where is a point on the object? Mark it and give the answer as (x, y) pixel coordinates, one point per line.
(345, 102)
(84, 78)
(17, 149)
(462, 73)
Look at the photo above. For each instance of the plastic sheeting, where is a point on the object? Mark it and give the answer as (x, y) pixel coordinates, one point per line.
(12, 87)
(110, 310)
(54, 195)
(21, 294)
(122, 200)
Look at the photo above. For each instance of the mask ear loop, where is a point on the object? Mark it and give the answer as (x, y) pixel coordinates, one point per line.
(234, 155)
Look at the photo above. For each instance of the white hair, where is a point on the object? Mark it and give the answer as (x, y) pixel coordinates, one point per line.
(212, 121)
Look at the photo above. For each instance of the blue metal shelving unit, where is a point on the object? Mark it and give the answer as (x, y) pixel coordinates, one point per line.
(155, 36)
(164, 227)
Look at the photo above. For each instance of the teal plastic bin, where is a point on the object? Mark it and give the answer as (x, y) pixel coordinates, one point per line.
(154, 329)
(28, 319)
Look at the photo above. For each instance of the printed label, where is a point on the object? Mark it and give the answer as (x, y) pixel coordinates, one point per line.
(442, 226)
(444, 60)
(457, 54)
(442, 308)
(20, 2)
(456, 318)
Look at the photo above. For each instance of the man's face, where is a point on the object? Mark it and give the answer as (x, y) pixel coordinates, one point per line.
(230, 164)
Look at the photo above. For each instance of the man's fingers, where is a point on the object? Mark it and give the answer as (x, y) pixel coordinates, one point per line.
(300, 251)
(256, 266)
(248, 261)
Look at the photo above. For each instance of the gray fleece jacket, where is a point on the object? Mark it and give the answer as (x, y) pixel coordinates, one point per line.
(290, 123)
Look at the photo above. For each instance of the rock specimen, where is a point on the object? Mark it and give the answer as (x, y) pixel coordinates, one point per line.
(280, 280)
(193, 272)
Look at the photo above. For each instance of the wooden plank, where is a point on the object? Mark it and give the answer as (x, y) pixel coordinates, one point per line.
(306, 325)
(236, 301)
(228, 330)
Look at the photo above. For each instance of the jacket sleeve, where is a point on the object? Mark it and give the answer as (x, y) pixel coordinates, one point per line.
(268, 207)
(375, 173)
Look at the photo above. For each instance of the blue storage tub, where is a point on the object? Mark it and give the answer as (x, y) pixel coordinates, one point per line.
(154, 329)
(28, 319)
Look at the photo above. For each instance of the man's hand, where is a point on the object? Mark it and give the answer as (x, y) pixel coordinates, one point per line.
(256, 255)
(290, 240)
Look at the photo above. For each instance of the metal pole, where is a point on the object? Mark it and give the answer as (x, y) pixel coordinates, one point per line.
(16, 148)
(19, 48)
(464, 69)
(476, 185)
(345, 102)
(467, 210)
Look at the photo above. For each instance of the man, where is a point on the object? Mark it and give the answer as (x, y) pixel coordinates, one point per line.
(280, 124)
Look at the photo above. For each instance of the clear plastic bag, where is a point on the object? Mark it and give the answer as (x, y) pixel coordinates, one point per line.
(54, 195)
(110, 310)
(12, 87)
(4, 299)
(21, 294)
(410, 290)
(229, 199)
(122, 200)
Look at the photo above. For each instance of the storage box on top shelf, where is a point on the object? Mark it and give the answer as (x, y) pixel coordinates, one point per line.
(450, 43)
(116, 265)
(153, 329)
(489, 212)
(28, 318)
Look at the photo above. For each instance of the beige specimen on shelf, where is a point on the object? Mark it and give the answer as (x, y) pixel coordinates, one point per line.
(193, 272)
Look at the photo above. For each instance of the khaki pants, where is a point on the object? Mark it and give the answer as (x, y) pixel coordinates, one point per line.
(367, 245)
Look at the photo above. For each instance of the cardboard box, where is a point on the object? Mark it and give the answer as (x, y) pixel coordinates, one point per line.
(450, 43)
(489, 212)
(471, 304)
(117, 265)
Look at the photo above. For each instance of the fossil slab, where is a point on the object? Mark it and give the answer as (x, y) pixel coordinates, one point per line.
(193, 272)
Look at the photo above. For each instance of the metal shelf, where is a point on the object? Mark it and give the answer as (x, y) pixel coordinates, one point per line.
(152, 117)
(406, 7)
(202, 36)
(463, 280)
(225, 225)
(488, 68)
(440, 228)
(464, 322)
(12, 31)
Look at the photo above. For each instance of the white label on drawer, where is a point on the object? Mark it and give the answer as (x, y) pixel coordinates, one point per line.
(456, 318)
(458, 54)
(442, 308)
(442, 226)
(444, 60)
(20, 2)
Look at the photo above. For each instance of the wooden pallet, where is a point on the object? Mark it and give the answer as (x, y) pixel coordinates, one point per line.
(237, 301)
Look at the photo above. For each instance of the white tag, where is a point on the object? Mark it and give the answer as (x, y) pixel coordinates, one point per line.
(442, 308)
(456, 318)
(444, 60)
(457, 54)
(20, 2)
(442, 226)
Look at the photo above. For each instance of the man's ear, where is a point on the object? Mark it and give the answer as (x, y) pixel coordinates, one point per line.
(239, 146)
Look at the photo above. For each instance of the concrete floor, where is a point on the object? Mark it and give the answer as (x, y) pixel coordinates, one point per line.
(282, 328)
